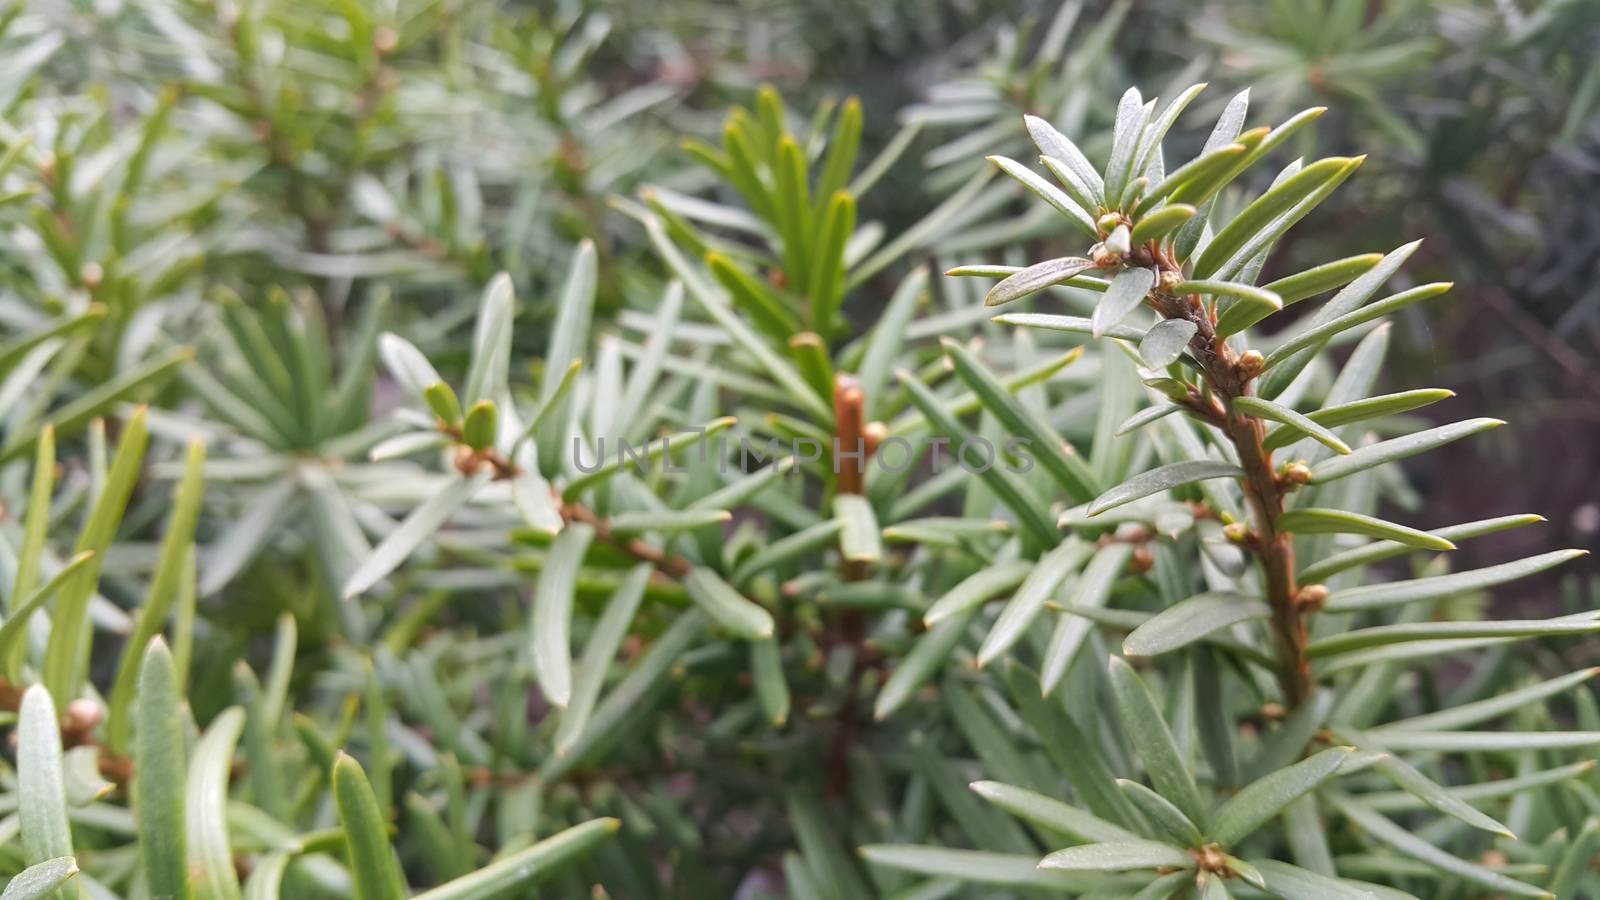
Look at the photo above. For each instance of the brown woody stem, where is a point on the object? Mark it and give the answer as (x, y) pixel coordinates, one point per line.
(850, 453)
(1228, 375)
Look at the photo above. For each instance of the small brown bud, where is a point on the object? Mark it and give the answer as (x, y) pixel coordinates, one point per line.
(1251, 363)
(1143, 560)
(1104, 258)
(82, 717)
(1272, 712)
(1296, 473)
(92, 275)
(874, 434)
(468, 461)
(1237, 532)
(1494, 859)
(385, 39)
(1210, 858)
(1311, 598)
(85, 712)
(1132, 532)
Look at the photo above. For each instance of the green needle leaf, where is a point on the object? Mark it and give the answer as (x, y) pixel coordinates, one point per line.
(1086, 197)
(1381, 550)
(1415, 590)
(527, 867)
(1132, 115)
(1091, 591)
(1251, 302)
(978, 866)
(152, 616)
(1036, 278)
(374, 871)
(598, 654)
(1404, 841)
(859, 540)
(1054, 144)
(408, 366)
(1197, 171)
(772, 689)
(568, 338)
(1189, 620)
(1053, 454)
(1337, 521)
(1157, 225)
(826, 281)
(211, 872)
(1285, 880)
(1320, 333)
(715, 306)
(40, 880)
(1493, 707)
(1264, 798)
(1260, 214)
(427, 518)
(1488, 741)
(925, 659)
(1398, 448)
(614, 463)
(1128, 290)
(1356, 411)
(66, 657)
(1378, 635)
(1029, 511)
(1266, 409)
(1037, 589)
(1147, 729)
(842, 150)
(15, 630)
(668, 521)
(754, 298)
(1049, 193)
(41, 781)
(1326, 277)
(552, 612)
(730, 609)
(266, 879)
(1414, 782)
(158, 775)
(1069, 324)
(1349, 299)
(1118, 856)
(1166, 341)
(1162, 478)
(100, 400)
(1169, 820)
(1059, 817)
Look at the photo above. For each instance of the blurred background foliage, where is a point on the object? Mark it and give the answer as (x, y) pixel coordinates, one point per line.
(217, 181)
